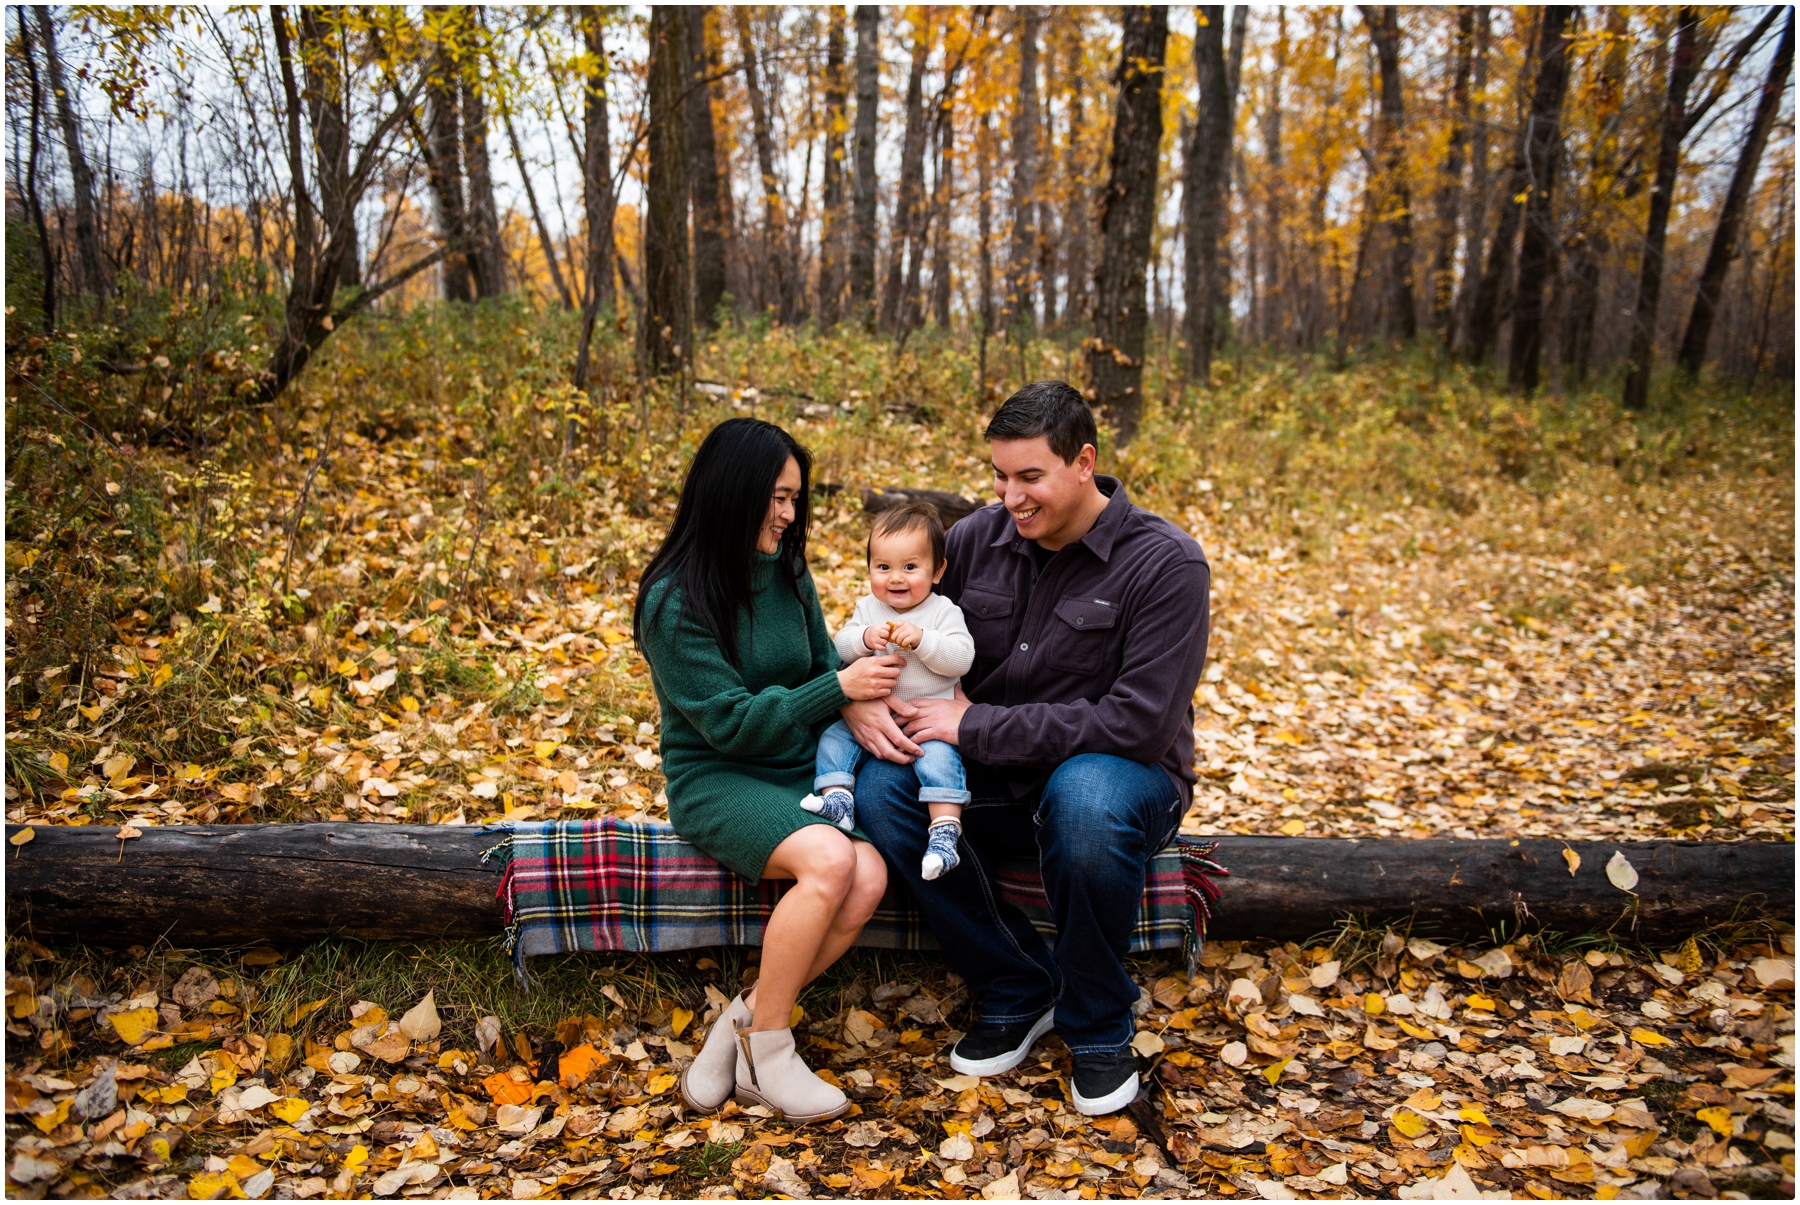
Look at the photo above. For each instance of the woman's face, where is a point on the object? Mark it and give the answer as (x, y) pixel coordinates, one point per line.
(781, 508)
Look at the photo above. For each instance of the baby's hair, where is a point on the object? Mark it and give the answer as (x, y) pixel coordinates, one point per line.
(911, 515)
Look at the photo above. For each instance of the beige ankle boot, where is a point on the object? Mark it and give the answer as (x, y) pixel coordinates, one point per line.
(709, 1079)
(770, 1073)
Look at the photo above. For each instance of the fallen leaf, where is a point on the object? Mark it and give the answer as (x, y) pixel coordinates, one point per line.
(290, 1108)
(1234, 1054)
(1582, 1108)
(133, 1025)
(1006, 1188)
(1147, 1044)
(1621, 873)
(1649, 1037)
(1409, 1123)
(23, 836)
(1775, 974)
(1718, 1117)
(679, 1019)
(127, 832)
(505, 1090)
(421, 1021)
(956, 1148)
(1573, 859)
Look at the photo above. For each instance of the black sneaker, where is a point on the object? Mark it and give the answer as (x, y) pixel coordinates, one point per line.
(992, 1047)
(1105, 1083)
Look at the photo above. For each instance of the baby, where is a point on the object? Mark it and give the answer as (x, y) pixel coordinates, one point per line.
(902, 615)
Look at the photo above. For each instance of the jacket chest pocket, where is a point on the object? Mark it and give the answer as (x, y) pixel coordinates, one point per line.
(988, 615)
(1079, 640)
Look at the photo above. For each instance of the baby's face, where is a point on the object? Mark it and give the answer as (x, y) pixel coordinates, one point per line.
(900, 569)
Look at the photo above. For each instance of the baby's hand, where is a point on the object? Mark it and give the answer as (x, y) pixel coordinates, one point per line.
(875, 637)
(906, 635)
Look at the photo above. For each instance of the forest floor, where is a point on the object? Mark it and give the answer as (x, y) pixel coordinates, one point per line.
(1436, 612)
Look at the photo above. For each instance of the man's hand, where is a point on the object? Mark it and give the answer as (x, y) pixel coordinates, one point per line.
(872, 724)
(937, 719)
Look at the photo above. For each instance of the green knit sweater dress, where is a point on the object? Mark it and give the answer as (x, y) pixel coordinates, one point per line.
(738, 741)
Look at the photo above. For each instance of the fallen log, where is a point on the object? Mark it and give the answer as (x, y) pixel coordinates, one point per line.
(950, 507)
(200, 885)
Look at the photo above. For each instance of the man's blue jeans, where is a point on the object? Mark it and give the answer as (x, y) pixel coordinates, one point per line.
(1093, 829)
(939, 771)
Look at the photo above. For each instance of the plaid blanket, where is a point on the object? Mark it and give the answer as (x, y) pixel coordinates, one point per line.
(607, 885)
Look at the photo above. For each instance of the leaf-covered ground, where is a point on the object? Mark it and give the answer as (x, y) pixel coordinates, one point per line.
(1436, 612)
(1370, 1066)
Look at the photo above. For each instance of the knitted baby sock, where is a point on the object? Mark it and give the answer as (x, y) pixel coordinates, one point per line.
(838, 806)
(940, 849)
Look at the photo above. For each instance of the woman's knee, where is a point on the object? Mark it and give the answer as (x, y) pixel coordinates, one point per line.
(829, 870)
(867, 890)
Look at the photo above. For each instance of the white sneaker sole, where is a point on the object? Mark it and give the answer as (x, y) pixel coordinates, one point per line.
(1112, 1102)
(1012, 1058)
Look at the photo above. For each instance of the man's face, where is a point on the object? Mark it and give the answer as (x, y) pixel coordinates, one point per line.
(1044, 495)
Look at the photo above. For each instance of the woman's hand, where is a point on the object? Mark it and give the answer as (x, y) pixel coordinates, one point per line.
(869, 678)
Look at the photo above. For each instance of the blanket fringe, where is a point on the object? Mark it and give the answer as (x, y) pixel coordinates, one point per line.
(501, 855)
(1199, 871)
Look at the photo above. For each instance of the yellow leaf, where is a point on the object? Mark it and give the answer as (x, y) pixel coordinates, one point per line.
(92, 713)
(134, 1024)
(1719, 1118)
(1425, 1100)
(1638, 1145)
(1374, 1004)
(346, 667)
(23, 837)
(659, 1084)
(300, 1012)
(1416, 1031)
(678, 1020)
(1273, 1071)
(243, 1166)
(174, 1094)
(408, 703)
(1293, 828)
(1471, 1113)
(794, 1017)
(1688, 959)
(161, 677)
(290, 1108)
(1649, 1037)
(1409, 1123)
(359, 1155)
(1481, 1002)
(59, 762)
(236, 792)
(1474, 1137)
(223, 1078)
(55, 1117)
(1573, 859)
(210, 1186)
(280, 1051)
(546, 748)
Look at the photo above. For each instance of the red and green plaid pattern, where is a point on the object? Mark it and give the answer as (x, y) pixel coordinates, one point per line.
(575, 885)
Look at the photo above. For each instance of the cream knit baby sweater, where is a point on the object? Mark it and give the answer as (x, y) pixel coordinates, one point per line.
(943, 656)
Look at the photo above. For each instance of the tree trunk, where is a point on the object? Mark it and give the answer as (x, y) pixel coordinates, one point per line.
(1475, 236)
(897, 302)
(1591, 246)
(868, 97)
(1206, 159)
(1127, 215)
(239, 884)
(537, 216)
(1078, 216)
(488, 254)
(598, 293)
(1019, 264)
(443, 168)
(93, 276)
(1274, 292)
(1543, 150)
(1737, 197)
(331, 130)
(1668, 162)
(32, 199)
(984, 236)
(1450, 178)
(1394, 194)
(832, 248)
(667, 325)
(704, 182)
(1486, 311)
(940, 207)
(775, 273)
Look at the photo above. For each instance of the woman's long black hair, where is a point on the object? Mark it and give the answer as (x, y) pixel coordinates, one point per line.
(710, 550)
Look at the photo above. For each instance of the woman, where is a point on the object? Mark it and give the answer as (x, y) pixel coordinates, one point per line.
(747, 678)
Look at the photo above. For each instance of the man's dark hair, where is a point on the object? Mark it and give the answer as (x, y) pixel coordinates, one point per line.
(1053, 409)
(916, 515)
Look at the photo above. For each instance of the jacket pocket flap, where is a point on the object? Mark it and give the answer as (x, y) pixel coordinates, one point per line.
(1087, 614)
(985, 604)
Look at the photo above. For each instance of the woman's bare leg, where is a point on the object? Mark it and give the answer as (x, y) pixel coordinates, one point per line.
(822, 862)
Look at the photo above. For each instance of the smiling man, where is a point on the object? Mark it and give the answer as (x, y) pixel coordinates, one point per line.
(1075, 725)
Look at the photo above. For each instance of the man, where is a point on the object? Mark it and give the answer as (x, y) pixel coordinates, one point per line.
(1090, 622)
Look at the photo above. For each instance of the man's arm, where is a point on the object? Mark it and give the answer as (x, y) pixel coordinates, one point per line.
(875, 729)
(1137, 718)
